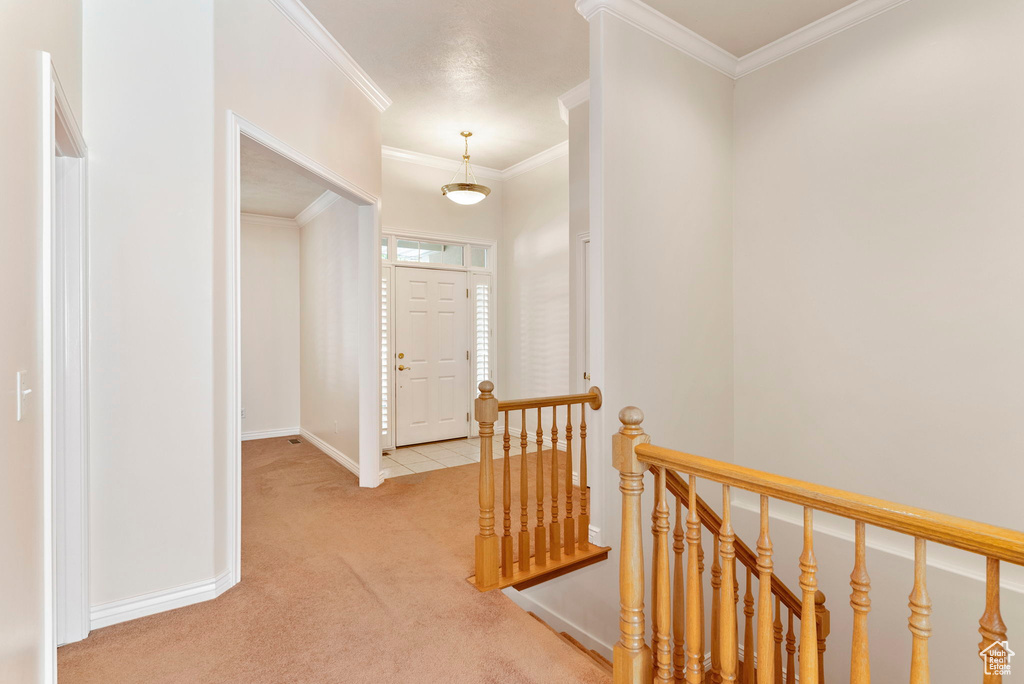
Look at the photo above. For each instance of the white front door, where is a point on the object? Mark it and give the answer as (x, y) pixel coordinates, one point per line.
(432, 355)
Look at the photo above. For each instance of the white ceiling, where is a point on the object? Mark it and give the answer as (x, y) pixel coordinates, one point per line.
(497, 68)
(494, 68)
(742, 26)
(274, 186)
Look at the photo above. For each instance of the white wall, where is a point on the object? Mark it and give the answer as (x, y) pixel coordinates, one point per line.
(161, 312)
(878, 284)
(534, 283)
(329, 326)
(412, 200)
(660, 216)
(270, 324)
(26, 28)
(151, 224)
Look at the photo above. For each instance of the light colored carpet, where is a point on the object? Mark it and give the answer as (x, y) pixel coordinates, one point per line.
(340, 584)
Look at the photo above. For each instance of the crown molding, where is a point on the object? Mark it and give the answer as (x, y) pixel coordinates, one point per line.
(529, 164)
(310, 27)
(316, 207)
(657, 25)
(573, 98)
(433, 162)
(268, 221)
(540, 159)
(654, 23)
(827, 26)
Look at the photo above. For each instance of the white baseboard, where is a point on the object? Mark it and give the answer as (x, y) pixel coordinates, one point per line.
(558, 623)
(266, 434)
(323, 446)
(106, 614)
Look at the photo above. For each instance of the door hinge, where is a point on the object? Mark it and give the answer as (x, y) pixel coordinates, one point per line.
(467, 355)
(467, 293)
(467, 416)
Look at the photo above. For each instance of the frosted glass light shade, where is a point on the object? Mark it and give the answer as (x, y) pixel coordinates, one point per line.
(465, 193)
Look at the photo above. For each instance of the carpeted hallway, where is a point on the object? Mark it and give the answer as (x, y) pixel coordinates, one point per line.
(339, 584)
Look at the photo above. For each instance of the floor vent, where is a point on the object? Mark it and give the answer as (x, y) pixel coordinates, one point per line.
(294, 441)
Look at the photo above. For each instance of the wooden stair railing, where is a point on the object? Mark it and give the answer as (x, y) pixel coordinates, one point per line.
(759, 566)
(559, 542)
(633, 662)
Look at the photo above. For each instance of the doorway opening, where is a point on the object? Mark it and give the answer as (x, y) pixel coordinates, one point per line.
(345, 221)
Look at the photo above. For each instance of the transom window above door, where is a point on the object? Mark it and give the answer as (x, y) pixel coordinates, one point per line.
(406, 250)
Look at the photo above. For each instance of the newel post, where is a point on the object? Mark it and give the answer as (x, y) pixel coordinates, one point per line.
(631, 655)
(486, 410)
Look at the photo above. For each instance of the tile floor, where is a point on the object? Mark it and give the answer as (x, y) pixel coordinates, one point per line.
(420, 458)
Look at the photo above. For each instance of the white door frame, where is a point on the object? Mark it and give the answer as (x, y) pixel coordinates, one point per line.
(492, 246)
(581, 291)
(369, 317)
(65, 372)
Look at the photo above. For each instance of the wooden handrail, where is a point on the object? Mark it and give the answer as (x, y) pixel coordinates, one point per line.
(988, 540)
(744, 554)
(592, 398)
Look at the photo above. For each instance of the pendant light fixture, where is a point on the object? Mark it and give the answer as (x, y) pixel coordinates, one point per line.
(465, 192)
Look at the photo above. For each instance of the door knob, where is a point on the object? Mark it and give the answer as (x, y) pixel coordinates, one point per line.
(401, 356)
(404, 368)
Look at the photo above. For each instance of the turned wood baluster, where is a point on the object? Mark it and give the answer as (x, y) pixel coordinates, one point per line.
(748, 632)
(678, 598)
(524, 499)
(809, 585)
(694, 619)
(821, 618)
(569, 526)
(540, 533)
(506, 535)
(860, 584)
(777, 678)
(631, 656)
(716, 612)
(662, 598)
(991, 626)
(727, 619)
(920, 623)
(555, 529)
(584, 534)
(790, 651)
(765, 652)
(487, 561)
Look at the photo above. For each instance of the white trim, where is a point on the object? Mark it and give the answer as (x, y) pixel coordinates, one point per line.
(47, 148)
(815, 32)
(316, 207)
(657, 25)
(536, 161)
(571, 98)
(443, 163)
(878, 539)
(341, 458)
(528, 164)
(669, 31)
(106, 614)
(267, 434)
(423, 235)
(524, 600)
(308, 25)
(70, 266)
(268, 221)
